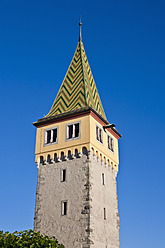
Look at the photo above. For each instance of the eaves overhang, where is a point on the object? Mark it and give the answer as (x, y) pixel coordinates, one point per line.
(72, 114)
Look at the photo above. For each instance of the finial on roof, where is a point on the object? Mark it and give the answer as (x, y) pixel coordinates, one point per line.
(80, 24)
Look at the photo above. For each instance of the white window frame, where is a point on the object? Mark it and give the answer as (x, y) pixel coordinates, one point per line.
(109, 136)
(51, 139)
(98, 134)
(67, 131)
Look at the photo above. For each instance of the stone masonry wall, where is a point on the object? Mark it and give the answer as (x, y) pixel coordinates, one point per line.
(84, 225)
(105, 232)
(72, 229)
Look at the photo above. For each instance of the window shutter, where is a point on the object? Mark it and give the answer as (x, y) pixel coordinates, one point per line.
(67, 132)
(51, 137)
(101, 135)
(73, 136)
(113, 145)
(46, 137)
(97, 135)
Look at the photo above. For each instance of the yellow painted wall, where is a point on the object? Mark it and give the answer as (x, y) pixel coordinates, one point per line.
(62, 145)
(102, 148)
(87, 139)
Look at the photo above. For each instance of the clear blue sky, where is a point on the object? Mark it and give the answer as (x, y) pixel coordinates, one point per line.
(125, 46)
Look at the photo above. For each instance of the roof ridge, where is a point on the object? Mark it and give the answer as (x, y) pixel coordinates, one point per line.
(88, 85)
(83, 71)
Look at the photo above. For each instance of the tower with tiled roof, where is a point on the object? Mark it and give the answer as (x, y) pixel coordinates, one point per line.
(77, 160)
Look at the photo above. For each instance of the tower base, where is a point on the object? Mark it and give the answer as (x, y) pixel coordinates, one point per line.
(91, 218)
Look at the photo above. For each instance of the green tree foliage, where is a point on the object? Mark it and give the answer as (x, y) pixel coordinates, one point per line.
(27, 239)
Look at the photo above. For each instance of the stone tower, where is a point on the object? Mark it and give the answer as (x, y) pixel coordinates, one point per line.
(77, 160)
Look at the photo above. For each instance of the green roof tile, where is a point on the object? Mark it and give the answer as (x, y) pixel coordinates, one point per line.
(78, 88)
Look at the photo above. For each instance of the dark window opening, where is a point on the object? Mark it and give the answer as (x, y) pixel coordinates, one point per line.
(64, 208)
(73, 131)
(99, 134)
(51, 136)
(77, 130)
(70, 131)
(63, 175)
(48, 137)
(54, 135)
(110, 143)
(103, 178)
(104, 214)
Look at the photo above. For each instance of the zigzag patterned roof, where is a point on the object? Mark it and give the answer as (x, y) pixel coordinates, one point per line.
(78, 88)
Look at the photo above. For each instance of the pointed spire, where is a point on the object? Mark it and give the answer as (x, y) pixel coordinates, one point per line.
(78, 89)
(80, 24)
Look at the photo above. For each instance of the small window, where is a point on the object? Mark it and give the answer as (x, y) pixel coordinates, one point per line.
(63, 175)
(64, 208)
(110, 143)
(104, 214)
(51, 136)
(54, 135)
(103, 178)
(48, 138)
(73, 131)
(99, 134)
(70, 132)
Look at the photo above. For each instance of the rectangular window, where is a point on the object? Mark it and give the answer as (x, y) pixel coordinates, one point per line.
(99, 134)
(73, 131)
(55, 135)
(63, 175)
(51, 136)
(103, 178)
(64, 208)
(70, 131)
(110, 143)
(76, 130)
(104, 214)
(48, 137)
